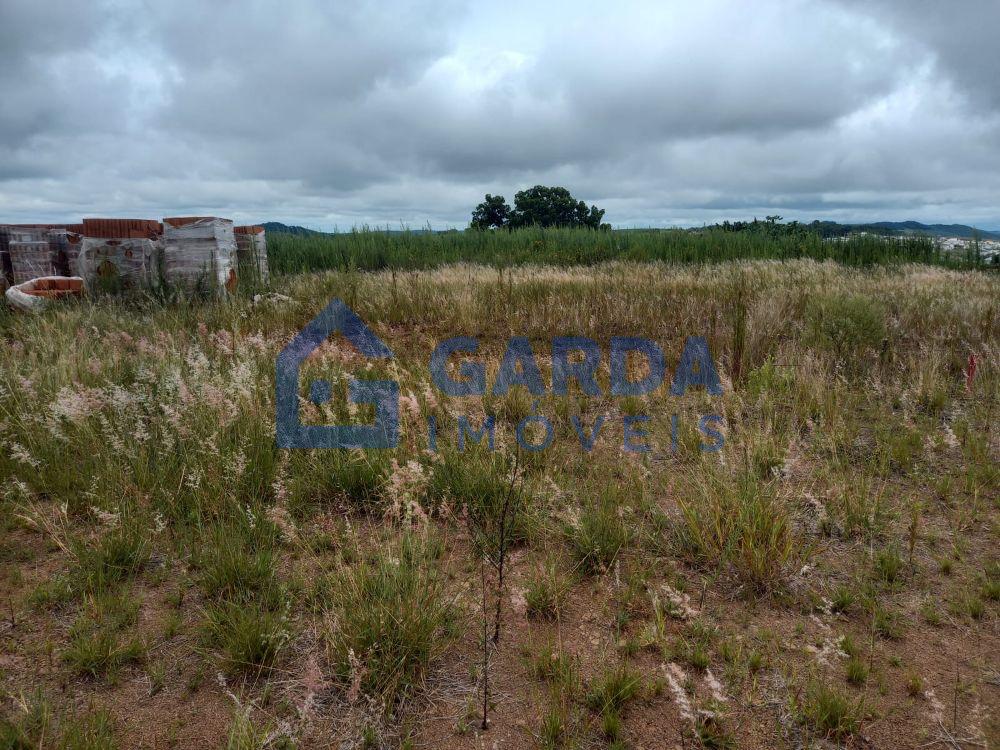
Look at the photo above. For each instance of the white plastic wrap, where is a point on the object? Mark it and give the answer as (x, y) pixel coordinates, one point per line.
(37, 294)
(30, 254)
(127, 262)
(200, 250)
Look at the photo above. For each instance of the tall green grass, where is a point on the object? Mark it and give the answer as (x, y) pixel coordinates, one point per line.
(372, 250)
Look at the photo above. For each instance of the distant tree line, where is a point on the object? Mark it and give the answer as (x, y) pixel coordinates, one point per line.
(539, 206)
(773, 226)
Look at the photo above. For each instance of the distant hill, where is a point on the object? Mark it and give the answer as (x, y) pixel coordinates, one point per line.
(937, 230)
(276, 227)
(888, 228)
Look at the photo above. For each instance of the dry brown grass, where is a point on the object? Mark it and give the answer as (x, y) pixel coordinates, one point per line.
(143, 501)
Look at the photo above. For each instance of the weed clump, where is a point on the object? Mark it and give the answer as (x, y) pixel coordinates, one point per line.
(390, 611)
(321, 478)
(613, 690)
(115, 556)
(97, 651)
(482, 486)
(97, 645)
(828, 711)
(737, 522)
(36, 725)
(237, 569)
(845, 323)
(600, 533)
(249, 635)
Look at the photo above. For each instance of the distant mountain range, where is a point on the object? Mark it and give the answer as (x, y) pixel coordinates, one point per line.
(826, 228)
(914, 227)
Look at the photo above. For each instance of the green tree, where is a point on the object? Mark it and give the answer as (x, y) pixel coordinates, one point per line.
(538, 206)
(492, 212)
(553, 207)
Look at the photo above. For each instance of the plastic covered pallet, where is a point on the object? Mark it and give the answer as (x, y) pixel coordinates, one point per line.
(30, 254)
(115, 263)
(199, 251)
(251, 253)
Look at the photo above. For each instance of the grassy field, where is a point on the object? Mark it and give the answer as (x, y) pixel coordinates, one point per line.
(168, 578)
(374, 250)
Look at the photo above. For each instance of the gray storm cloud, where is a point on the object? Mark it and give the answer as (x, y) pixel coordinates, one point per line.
(346, 114)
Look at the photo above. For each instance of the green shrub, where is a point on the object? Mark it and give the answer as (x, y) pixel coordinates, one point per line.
(842, 599)
(244, 734)
(770, 379)
(554, 666)
(556, 729)
(322, 477)
(478, 483)
(36, 727)
(857, 671)
(887, 624)
(545, 593)
(847, 325)
(59, 589)
(712, 734)
(92, 732)
(29, 728)
(889, 565)
(97, 651)
(96, 645)
(967, 602)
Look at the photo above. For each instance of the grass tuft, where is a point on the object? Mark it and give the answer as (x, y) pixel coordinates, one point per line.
(390, 610)
(828, 711)
(600, 533)
(117, 555)
(738, 522)
(249, 635)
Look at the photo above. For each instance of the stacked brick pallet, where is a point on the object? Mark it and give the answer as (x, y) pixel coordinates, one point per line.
(194, 252)
(119, 253)
(29, 251)
(30, 255)
(199, 251)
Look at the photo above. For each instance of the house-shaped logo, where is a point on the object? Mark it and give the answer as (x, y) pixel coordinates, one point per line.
(384, 394)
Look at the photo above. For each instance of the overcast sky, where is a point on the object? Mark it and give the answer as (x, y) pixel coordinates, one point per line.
(335, 114)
